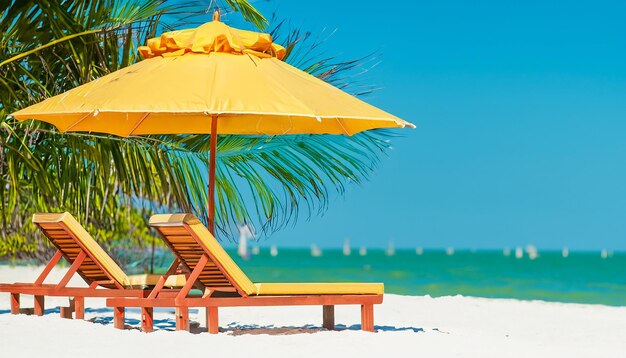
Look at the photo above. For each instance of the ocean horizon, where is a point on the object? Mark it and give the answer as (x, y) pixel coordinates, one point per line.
(581, 277)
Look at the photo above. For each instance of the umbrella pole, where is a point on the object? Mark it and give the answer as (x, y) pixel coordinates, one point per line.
(212, 154)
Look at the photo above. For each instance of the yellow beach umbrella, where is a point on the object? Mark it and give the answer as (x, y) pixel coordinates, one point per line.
(213, 79)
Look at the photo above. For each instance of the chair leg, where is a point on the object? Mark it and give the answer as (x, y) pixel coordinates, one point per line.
(15, 303)
(182, 318)
(212, 320)
(328, 314)
(118, 317)
(79, 307)
(367, 317)
(39, 305)
(66, 312)
(147, 319)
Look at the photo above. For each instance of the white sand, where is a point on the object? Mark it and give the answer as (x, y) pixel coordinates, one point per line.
(416, 326)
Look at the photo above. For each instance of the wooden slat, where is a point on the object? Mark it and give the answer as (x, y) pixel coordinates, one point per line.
(214, 279)
(213, 275)
(220, 279)
(190, 255)
(64, 245)
(189, 252)
(180, 238)
(65, 240)
(57, 237)
(89, 265)
(91, 273)
(173, 231)
(57, 229)
(104, 279)
(49, 226)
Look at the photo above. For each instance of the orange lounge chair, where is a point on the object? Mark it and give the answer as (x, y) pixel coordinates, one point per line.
(88, 260)
(225, 285)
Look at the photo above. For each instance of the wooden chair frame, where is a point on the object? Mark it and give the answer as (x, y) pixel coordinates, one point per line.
(213, 299)
(76, 295)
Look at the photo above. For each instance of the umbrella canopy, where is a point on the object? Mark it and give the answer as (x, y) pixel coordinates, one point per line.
(212, 79)
(189, 75)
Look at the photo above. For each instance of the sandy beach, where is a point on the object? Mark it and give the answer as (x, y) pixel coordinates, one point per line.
(415, 325)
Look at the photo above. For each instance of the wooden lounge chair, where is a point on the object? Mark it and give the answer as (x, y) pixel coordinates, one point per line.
(224, 284)
(88, 260)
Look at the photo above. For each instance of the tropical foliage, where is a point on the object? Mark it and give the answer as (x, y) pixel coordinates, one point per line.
(113, 184)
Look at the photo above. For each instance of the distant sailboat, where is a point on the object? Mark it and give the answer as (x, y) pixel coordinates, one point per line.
(391, 250)
(565, 252)
(604, 253)
(506, 252)
(273, 250)
(532, 252)
(450, 251)
(244, 234)
(419, 251)
(346, 247)
(519, 252)
(315, 251)
(363, 251)
(256, 250)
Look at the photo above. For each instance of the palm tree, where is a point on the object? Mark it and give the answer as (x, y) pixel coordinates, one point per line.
(113, 183)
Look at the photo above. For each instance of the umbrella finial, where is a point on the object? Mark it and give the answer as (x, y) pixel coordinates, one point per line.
(216, 15)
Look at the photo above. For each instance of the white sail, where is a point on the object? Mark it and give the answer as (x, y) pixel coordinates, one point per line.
(315, 251)
(346, 247)
(532, 252)
(391, 250)
(244, 234)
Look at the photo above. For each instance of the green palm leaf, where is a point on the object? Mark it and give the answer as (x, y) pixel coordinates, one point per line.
(112, 183)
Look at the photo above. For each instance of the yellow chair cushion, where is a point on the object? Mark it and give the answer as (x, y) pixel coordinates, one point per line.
(148, 280)
(348, 288)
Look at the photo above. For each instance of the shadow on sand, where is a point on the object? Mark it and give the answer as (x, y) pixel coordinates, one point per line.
(237, 329)
(105, 317)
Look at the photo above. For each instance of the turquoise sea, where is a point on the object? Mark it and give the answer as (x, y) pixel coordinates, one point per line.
(583, 277)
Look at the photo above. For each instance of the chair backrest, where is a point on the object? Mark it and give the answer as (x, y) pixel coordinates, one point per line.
(189, 239)
(69, 236)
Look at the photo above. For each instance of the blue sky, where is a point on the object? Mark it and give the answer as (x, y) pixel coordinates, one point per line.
(520, 110)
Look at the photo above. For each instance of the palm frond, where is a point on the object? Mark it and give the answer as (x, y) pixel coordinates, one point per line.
(111, 183)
